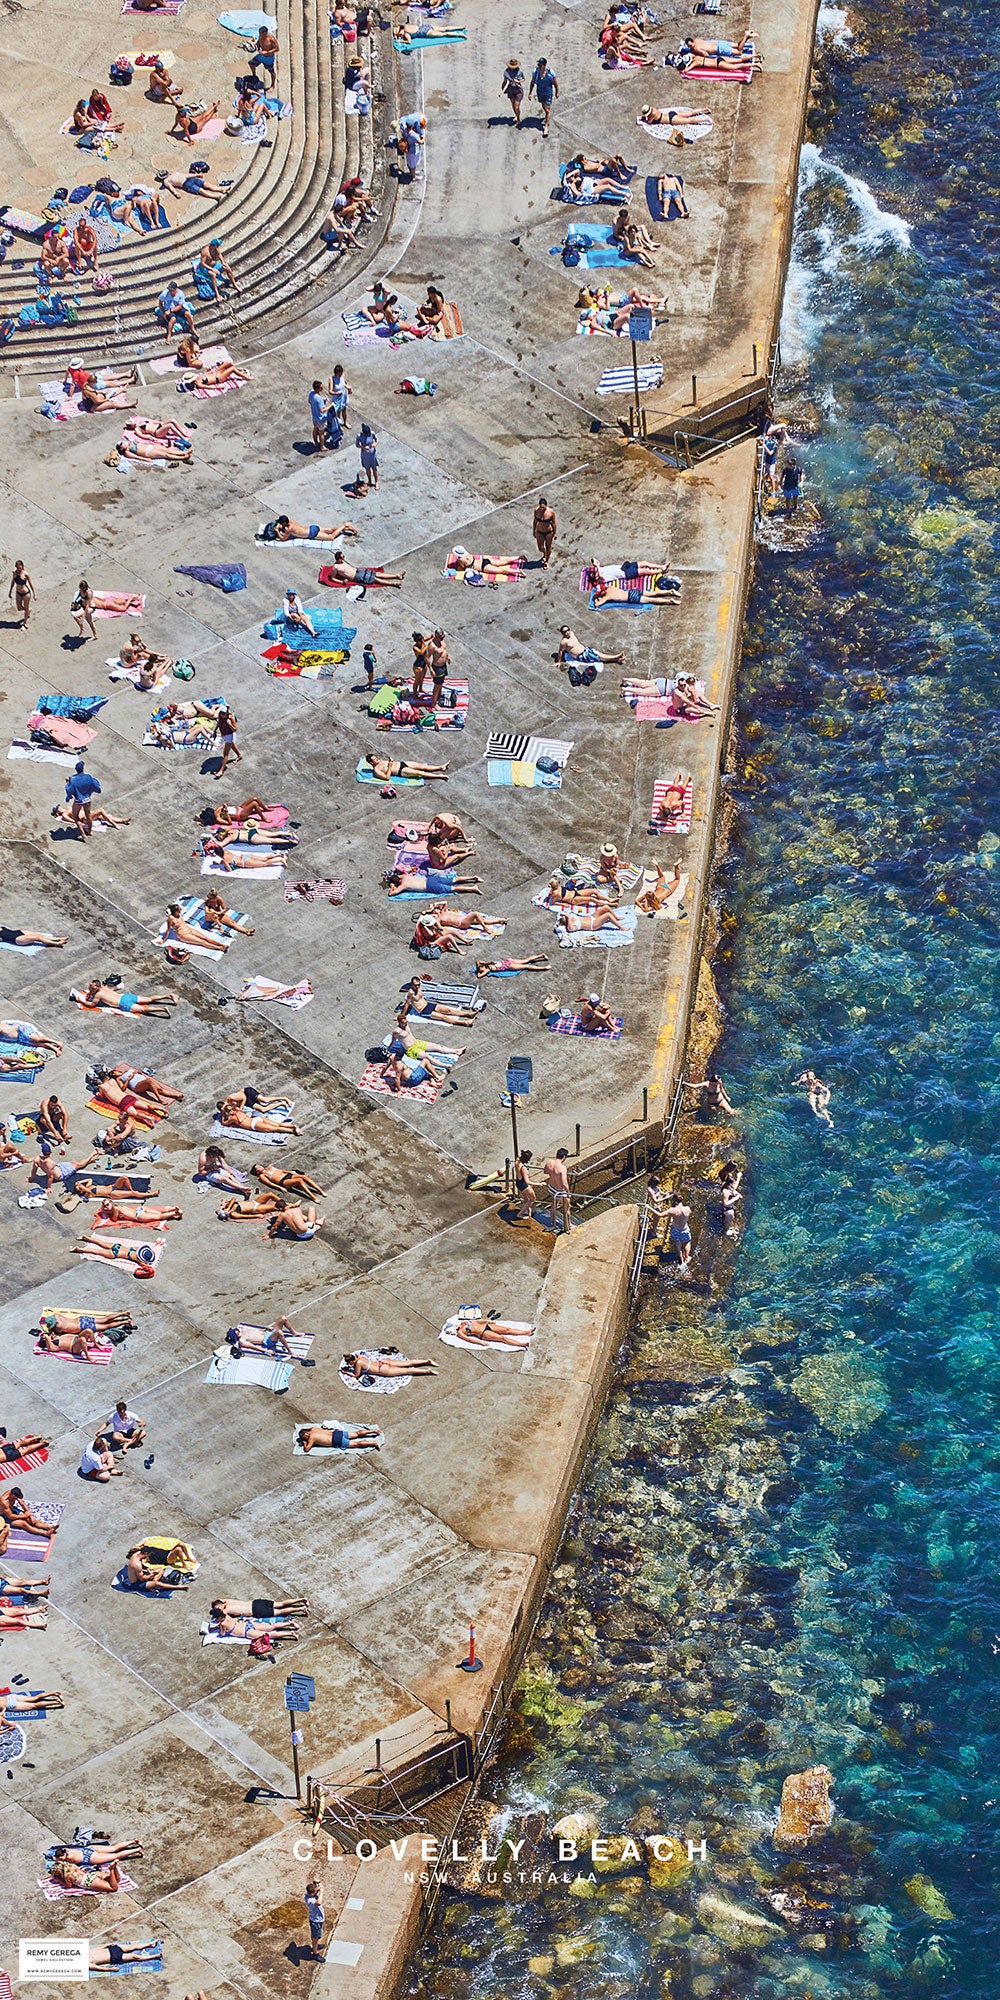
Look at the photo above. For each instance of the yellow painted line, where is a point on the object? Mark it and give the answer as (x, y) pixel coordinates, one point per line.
(665, 1040)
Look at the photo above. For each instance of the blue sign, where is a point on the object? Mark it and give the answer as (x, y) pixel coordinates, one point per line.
(640, 324)
(304, 1683)
(519, 1074)
(296, 1700)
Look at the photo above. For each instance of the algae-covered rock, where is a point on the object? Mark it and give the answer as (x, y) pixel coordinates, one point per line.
(583, 1888)
(843, 1388)
(735, 1925)
(667, 1860)
(921, 1891)
(806, 1810)
(572, 1950)
(541, 1966)
(616, 1855)
(579, 1827)
(540, 1700)
(942, 527)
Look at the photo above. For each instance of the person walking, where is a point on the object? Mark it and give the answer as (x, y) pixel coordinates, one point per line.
(317, 410)
(543, 527)
(367, 444)
(557, 1182)
(544, 85)
(82, 609)
(316, 1915)
(523, 1186)
(678, 1217)
(791, 486)
(225, 730)
(22, 590)
(512, 87)
(81, 788)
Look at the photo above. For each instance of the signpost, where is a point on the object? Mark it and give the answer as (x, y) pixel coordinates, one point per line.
(300, 1693)
(640, 327)
(519, 1074)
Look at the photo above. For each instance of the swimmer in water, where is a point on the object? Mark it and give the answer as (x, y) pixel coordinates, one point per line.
(819, 1095)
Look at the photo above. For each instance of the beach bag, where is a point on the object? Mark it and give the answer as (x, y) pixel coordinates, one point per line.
(262, 1647)
(183, 670)
(582, 676)
(548, 765)
(570, 255)
(121, 70)
(107, 186)
(428, 951)
(102, 281)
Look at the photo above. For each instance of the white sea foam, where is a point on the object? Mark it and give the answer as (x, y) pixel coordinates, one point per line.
(832, 26)
(829, 248)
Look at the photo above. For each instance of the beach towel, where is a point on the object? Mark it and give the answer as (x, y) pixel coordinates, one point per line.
(526, 777)
(163, 7)
(449, 326)
(366, 776)
(211, 865)
(13, 1741)
(483, 569)
(450, 995)
(420, 1093)
(116, 672)
(567, 1023)
(152, 1963)
(23, 1547)
(219, 1131)
(635, 585)
(224, 576)
(154, 1246)
(193, 912)
(29, 950)
(260, 1371)
(605, 939)
(15, 1468)
(99, 1356)
(300, 1343)
(448, 712)
(54, 1892)
(375, 1385)
(212, 1638)
(528, 749)
(75, 707)
(36, 753)
(329, 631)
(681, 820)
(262, 988)
(118, 604)
(688, 133)
(621, 381)
(594, 247)
(430, 41)
(450, 1335)
(324, 889)
(246, 21)
(727, 69)
(22, 221)
(671, 909)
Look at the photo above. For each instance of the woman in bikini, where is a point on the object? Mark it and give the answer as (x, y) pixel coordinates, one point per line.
(360, 1365)
(212, 1166)
(111, 1215)
(248, 1207)
(221, 919)
(290, 1183)
(138, 1255)
(672, 802)
(179, 932)
(498, 966)
(243, 1120)
(235, 864)
(592, 920)
(659, 892)
(84, 1346)
(496, 1332)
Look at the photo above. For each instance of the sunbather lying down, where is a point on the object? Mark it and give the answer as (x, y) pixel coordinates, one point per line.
(85, 1346)
(495, 1332)
(179, 932)
(145, 437)
(260, 1607)
(601, 917)
(372, 1363)
(659, 891)
(291, 1182)
(339, 1437)
(214, 377)
(36, 1702)
(229, 1627)
(151, 1949)
(13, 934)
(139, 1255)
(227, 815)
(415, 1001)
(107, 994)
(124, 1081)
(252, 833)
(71, 1320)
(387, 768)
(339, 570)
(286, 530)
(498, 966)
(249, 1207)
(271, 1339)
(235, 864)
(245, 1120)
(142, 1215)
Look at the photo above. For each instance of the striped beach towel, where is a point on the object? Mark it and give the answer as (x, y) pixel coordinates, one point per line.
(621, 381)
(259, 1371)
(449, 996)
(681, 820)
(729, 69)
(571, 1024)
(14, 1468)
(527, 749)
(99, 1357)
(22, 1547)
(605, 939)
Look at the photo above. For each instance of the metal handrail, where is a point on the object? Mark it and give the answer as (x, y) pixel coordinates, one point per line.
(640, 1250)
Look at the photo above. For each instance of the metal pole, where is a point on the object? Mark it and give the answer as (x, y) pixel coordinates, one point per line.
(645, 1102)
(694, 389)
(635, 376)
(447, 1713)
(578, 1142)
(295, 1754)
(513, 1120)
(755, 357)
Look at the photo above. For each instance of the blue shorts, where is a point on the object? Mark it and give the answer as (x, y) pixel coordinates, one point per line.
(266, 62)
(440, 881)
(126, 1002)
(341, 1441)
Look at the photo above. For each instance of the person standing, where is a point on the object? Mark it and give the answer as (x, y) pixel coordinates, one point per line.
(557, 1182)
(22, 590)
(421, 661)
(679, 1218)
(544, 85)
(523, 1186)
(367, 444)
(82, 608)
(791, 486)
(317, 410)
(81, 788)
(543, 527)
(512, 87)
(656, 1206)
(225, 730)
(440, 661)
(340, 392)
(369, 660)
(265, 55)
(316, 1915)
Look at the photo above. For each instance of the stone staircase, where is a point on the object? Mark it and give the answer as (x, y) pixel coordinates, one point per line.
(269, 225)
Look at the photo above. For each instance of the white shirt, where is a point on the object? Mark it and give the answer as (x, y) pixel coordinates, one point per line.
(92, 1460)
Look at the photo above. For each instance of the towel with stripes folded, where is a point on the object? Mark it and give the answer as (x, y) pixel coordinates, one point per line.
(621, 381)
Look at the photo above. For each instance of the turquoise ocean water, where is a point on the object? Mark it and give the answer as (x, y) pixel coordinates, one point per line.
(787, 1544)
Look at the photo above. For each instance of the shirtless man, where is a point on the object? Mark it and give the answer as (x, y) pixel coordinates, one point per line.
(296, 1219)
(47, 1172)
(158, 1004)
(286, 530)
(572, 650)
(73, 1322)
(52, 1120)
(414, 1002)
(679, 1220)
(15, 1448)
(345, 572)
(28, 1037)
(15, 1513)
(557, 1182)
(339, 1437)
(387, 768)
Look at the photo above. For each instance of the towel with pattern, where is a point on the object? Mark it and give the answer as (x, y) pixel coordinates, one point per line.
(679, 821)
(423, 711)
(483, 569)
(98, 1355)
(22, 1547)
(685, 134)
(450, 995)
(567, 1023)
(54, 1891)
(219, 1131)
(262, 988)
(527, 777)
(737, 68)
(259, 1371)
(193, 912)
(621, 381)
(376, 1385)
(373, 1078)
(528, 749)
(15, 1468)
(318, 889)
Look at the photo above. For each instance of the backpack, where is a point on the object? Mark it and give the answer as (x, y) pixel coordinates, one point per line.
(262, 1647)
(183, 670)
(428, 951)
(121, 70)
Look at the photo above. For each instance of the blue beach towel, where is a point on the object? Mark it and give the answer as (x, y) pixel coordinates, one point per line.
(225, 576)
(77, 707)
(246, 21)
(330, 634)
(597, 251)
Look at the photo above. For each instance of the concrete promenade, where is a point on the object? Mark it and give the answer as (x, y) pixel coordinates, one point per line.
(460, 1513)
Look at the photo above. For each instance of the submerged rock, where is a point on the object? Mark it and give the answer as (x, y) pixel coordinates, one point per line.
(735, 1925)
(580, 1827)
(806, 1810)
(921, 1891)
(843, 1388)
(667, 1860)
